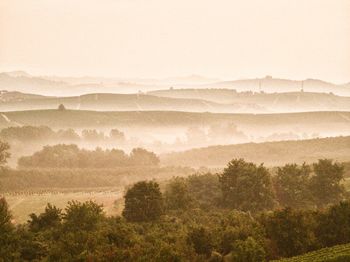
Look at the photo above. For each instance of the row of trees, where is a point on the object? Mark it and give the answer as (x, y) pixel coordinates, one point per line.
(30, 134)
(71, 156)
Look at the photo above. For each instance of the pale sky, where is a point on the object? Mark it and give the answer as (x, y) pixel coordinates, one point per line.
(233, 39)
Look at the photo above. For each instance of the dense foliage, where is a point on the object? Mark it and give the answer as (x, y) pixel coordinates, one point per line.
(70, 156)
(192, 219)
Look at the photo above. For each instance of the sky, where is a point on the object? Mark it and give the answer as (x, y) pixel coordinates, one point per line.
(229, 39)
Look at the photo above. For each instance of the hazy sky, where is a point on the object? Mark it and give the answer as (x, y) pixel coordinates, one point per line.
(157, 38)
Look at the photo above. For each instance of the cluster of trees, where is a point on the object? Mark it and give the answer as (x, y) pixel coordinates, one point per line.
(30, 134)
(197, 218)
(71, 156)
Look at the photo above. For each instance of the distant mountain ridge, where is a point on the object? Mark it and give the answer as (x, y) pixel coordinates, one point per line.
(272, 85)
(67, 86)
(272, 102)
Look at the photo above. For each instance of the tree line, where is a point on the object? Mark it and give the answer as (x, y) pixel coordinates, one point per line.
(30, 134)
(71, 156)
(241, 214)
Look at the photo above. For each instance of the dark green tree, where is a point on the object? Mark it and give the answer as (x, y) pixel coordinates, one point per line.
(246, 186)
(291, 231)
(7, 237)
(326, 185)
(50, 218)
(292, 185)
(201, 240)
(333, 225)
(82, 216)
(248, 250)
(177, 195)
(143, 202)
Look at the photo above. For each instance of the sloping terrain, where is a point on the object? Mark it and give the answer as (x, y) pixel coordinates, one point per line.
(272, 102)
(339, 253)
(81, 119)
(117, 102)
(271, 85)
(270, 153)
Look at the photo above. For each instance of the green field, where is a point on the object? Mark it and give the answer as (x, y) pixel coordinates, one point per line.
(340, 253)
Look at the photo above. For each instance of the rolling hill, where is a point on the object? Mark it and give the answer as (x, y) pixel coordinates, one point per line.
(271, 102)
(270, 153)
(82, 118)
(14, 101)
(191, 100)
(271, 85)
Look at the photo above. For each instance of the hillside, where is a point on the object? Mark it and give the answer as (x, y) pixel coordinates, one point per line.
(271, 85)
(270, 153)
(118, 102)
(67, 86)
(339, 253)
(79, 119)
(272, 102)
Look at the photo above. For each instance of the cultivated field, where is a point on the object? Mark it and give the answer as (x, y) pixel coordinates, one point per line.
(340, 253)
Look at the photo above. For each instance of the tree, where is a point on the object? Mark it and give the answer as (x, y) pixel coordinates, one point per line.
(4, 153)
(142, 157)
(326, 185)
(117, 135)
(92, 135)
(205, 190)
(177, 195)
(333, 227)
(49, 219)
(6, 232)
(292, 184)
(292, 232)
(61, 107)
(68, 134)
(143, 202)
(247, 250)
(82, 216)
(246, 186)
(201, 240)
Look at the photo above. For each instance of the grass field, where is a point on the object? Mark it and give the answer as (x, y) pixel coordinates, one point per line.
(22, 205)
(340, 253)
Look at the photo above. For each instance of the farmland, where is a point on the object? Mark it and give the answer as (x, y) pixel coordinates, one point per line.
(340, 253)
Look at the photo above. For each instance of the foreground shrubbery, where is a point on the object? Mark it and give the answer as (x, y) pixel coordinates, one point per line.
(243, 214)
(82, 232)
